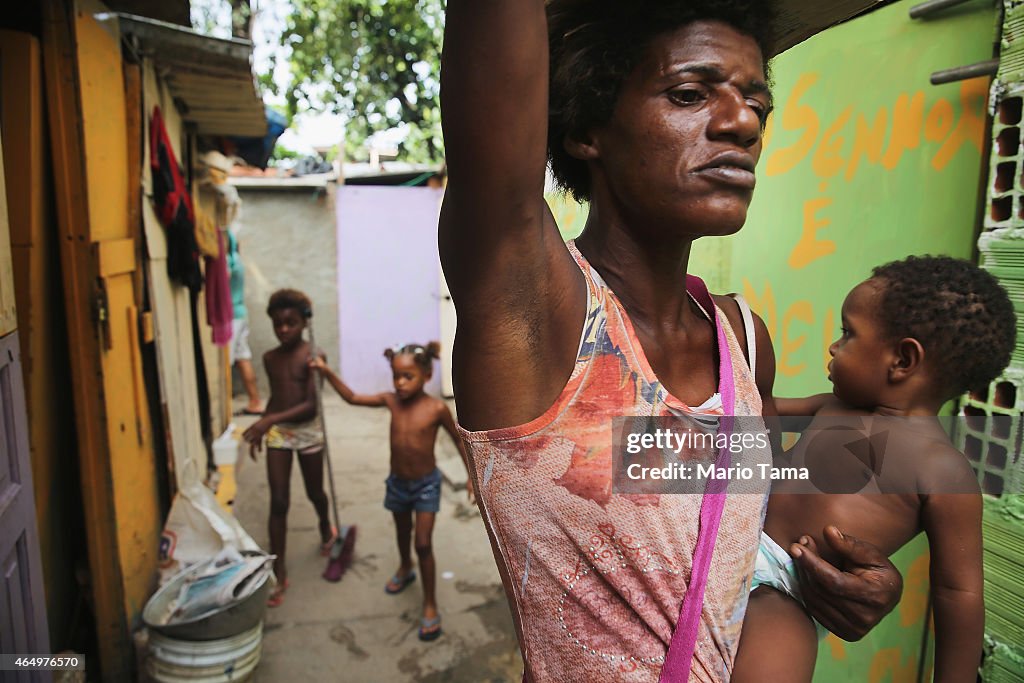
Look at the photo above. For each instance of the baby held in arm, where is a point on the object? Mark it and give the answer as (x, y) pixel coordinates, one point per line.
(918, 333)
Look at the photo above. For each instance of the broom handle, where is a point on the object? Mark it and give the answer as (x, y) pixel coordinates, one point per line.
(317, 381)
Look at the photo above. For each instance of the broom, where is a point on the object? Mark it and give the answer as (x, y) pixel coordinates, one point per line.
(340, 555)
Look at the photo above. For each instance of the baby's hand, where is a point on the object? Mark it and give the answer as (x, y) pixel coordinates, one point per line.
(470, 492)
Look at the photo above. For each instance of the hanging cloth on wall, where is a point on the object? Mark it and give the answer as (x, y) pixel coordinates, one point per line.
(220, 311)
(173, 207)
(206, 228)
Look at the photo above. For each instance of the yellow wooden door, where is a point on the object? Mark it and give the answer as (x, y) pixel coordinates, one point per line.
(90, 143)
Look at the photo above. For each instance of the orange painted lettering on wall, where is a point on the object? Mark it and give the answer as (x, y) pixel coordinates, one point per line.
(836, 646)
(943, 123)
(802, 311)
(796, 116)
(789, 340)
(763, 305)
(914, 605)
(868, 141)
(939, 121)
(769, 127)
(827, 160)
(907, 117)
(970, 127)
(892, 666)
(810, 248)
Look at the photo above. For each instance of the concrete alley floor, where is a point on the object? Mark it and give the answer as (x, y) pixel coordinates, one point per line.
(352, 630)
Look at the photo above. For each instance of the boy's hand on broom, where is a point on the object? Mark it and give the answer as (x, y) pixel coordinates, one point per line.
(317, 363)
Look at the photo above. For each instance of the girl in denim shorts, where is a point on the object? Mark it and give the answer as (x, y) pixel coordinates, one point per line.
(415, 482)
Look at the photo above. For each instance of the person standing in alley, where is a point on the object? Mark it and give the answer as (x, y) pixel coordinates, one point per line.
(241, 354)
(653, 112)
(291, 424)
(414, 487)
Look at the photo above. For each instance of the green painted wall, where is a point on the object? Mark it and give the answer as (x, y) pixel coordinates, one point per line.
(865, 162)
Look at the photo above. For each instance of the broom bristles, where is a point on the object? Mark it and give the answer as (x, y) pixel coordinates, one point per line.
(341, 554)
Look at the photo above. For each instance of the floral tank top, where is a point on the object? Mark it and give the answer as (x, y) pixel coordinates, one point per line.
(595, 579)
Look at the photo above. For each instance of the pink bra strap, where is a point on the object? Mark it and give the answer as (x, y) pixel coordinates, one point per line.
(684, 639)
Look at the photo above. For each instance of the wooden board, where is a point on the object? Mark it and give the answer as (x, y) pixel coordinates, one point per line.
(172, 315)
(8, 307)
(37, 288)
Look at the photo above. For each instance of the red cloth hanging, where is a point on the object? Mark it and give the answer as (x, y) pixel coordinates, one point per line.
(220, 310)
(173, 207)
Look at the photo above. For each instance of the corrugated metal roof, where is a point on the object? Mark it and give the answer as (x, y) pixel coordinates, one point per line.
(171, 11)
(798, 20)
(210, 78)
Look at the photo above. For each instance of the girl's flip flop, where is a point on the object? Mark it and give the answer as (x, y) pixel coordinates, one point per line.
(276, 598)
(397, 584)
(425, 624)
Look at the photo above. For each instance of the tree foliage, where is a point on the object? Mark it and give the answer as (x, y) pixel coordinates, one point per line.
(375, 61)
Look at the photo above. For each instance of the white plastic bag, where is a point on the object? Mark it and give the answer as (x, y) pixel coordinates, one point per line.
(197, 529)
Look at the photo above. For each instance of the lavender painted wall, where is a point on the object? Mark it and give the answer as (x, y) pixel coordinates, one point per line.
(388, 279)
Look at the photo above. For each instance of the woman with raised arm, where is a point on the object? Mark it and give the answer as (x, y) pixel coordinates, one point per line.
(653, 110)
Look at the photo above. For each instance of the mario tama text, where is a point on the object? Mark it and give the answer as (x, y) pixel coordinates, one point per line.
(713, 471)
(683, 454)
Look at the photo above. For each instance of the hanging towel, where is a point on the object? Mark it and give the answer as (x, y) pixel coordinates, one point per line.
(219, 308)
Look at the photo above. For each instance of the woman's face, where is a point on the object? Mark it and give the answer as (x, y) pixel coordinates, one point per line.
(678, 155)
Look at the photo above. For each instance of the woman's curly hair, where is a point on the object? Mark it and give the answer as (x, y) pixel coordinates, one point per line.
(595, 44)
(958, 312)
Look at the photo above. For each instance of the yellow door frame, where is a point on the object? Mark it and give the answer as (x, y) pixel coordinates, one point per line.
(88, 136)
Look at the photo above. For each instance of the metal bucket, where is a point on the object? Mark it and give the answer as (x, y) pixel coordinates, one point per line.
(223, 622)
(212, 661)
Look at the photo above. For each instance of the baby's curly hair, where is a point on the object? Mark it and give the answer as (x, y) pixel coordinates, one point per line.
(595, 44)
(422, 354)
(958, 312)
(289, 298)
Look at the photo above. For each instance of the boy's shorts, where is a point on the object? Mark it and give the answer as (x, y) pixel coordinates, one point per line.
(421, 495)
(304, 437)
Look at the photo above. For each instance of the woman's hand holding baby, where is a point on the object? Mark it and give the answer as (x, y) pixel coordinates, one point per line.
(849, 601)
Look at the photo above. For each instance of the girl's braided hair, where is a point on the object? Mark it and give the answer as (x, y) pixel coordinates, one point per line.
(423, 355)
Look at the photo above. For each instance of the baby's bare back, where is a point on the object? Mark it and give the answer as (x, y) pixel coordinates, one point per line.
(414, 425)
(868, 475)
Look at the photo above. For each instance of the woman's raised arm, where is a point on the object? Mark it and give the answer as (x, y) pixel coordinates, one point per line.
(517, 292)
